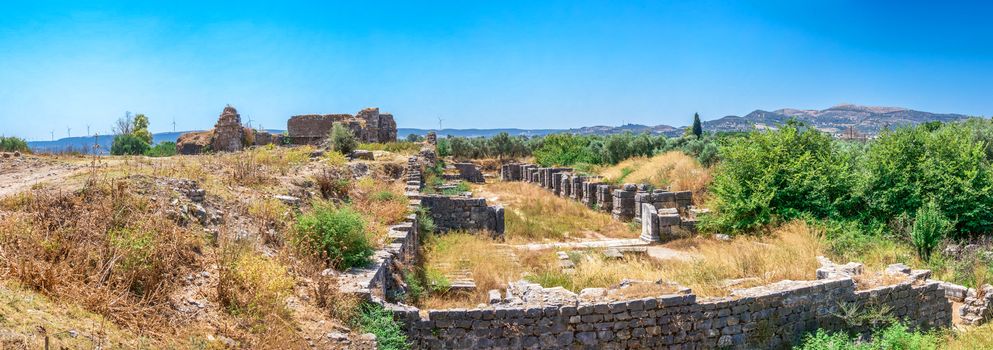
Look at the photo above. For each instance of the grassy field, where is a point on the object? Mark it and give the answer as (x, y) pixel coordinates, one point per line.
(674, 169)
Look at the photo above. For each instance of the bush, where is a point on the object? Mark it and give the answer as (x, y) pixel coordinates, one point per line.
(894, 337)
(128, 144)
(13, 144)
(907, 166)
(337, 233)
(777, 176)
(375, 319)
(162, 149)
(930, 226)
(342, 139)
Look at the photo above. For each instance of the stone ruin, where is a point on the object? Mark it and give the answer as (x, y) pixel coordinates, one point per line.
(662, 214)
(228, 135)
(368, 126)
(776, 315)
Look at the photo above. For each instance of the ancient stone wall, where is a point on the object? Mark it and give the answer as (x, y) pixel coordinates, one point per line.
(469, 172)
(463, 213)
(368, 126)
(771, 316)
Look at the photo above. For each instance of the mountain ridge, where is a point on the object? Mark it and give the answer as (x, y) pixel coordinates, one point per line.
(837, 120)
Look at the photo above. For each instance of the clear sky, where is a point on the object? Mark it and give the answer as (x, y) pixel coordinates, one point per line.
(483, 64)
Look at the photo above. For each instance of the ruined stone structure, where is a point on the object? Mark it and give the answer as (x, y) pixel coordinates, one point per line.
(368, 126)
(228, 135)
(771, 316)
(431, 138)
(463, 213)
(469, 172)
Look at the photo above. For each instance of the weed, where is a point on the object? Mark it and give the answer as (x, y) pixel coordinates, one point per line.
(336, 232)
(374, 319)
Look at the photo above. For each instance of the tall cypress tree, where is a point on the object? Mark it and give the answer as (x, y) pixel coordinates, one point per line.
(697, 127)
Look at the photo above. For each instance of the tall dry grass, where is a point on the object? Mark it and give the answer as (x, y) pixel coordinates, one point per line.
(536, 215)
(104, 247)
(789, 253)
(673, 169)
(490, 265)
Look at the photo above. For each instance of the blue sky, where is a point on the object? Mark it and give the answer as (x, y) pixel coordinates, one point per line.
(484, 64)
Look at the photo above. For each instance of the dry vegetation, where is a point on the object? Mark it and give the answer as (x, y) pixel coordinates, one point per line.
(534, 215)
(787, 254)
(674, 169)
(122, 270)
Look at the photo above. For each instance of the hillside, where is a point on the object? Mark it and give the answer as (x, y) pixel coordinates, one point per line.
(837, 119)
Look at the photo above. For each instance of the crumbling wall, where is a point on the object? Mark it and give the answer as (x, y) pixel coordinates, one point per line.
(463, 213)
(469, 172)
(368, 126)
(771, 316)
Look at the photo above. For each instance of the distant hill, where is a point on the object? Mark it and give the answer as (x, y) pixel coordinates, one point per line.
(835, 120)
(80, 144)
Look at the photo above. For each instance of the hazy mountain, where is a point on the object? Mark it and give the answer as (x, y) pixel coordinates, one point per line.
(864, 119)
(836, 120)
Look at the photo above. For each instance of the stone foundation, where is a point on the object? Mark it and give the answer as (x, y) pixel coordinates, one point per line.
(368, 126)
(461, 213)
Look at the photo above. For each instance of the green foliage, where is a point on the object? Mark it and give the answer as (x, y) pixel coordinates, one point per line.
(564, 149)
(444, 147)
(395, 147)
(894, 337)
(386, 196)
(128, 144)
(13, 144)
(162, 149)
(414, 138)
(425, 224)
(905, 167)
(769, 177)
(342, 139)
(697, 126)
(374, 319)
(338, 233)
(930, 226)
(140, 129)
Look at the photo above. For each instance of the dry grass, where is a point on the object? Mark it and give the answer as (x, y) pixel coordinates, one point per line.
(252, 285)
(789, 253)
(594, 270)
(23, 311)
(536, 215)
(489, 263)
(976, 338)
(104, 247)
(869, 280)
(674, 169)
(381, 204)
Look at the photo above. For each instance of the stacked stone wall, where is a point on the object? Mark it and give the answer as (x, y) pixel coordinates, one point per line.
(773, 316)
(462, 213)
(469, 172)
(368, 125)
(765, 317)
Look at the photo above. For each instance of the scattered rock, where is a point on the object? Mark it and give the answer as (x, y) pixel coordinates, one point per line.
(367, 337)
(73, 333)
(364, 155)
(359, 169)
(289, 200)
(722, 237)
(337, 337)
(612, 253)
(17, 154)
(494, 296)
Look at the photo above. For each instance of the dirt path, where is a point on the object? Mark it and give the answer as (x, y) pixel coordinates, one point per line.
(20, 174)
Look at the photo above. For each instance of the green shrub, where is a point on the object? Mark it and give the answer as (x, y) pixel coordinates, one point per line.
(342, 139)
(907, 166)
(162, 149)
(336, 232)
(894, 337)
(128, 144)
(930, 226)
(13, 144)
(776, 176)
(375, 319)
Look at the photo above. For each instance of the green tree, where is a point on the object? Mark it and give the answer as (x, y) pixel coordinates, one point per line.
(697, 126)
(140, 128)
(12, 144)
(930, 226)
(342, 139)
(128, 144)
(775, 176)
